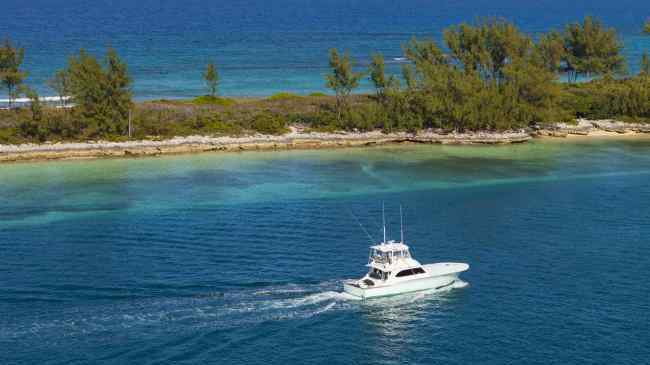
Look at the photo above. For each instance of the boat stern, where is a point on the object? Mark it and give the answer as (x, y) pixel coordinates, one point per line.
(352, 287)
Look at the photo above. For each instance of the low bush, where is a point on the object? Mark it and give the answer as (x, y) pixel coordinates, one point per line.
(213, 100)
(269, 123)
(284, 96)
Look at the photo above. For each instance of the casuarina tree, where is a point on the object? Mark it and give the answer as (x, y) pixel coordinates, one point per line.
(11, 76)
(342, 79)
(211, 77)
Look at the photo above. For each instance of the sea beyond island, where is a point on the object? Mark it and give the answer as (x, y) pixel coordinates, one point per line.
(266, 47)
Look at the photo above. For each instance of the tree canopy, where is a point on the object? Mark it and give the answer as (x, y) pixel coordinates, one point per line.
(487, 47)
(60, 84)
(11, 75)
(211, 77)
(102, 93)
(377, 72)
(342, 79)
(592, 50)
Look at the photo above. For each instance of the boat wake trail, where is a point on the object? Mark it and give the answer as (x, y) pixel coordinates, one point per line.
(230, 309)
(217, 311)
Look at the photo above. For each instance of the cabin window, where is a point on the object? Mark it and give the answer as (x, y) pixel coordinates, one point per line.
(404, 273)
(417, 270)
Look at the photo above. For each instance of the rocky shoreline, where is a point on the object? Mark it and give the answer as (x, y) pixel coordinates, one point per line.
(585, 127)
(296, 139)
(300, 139)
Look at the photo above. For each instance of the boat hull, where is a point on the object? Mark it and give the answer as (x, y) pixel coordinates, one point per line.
(427, 283)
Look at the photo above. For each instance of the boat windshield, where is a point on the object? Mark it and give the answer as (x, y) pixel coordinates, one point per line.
(388, 257)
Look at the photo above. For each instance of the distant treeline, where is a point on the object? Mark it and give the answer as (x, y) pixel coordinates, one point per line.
(487, 76)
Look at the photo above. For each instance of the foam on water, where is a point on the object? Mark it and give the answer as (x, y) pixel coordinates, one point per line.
(230, 310)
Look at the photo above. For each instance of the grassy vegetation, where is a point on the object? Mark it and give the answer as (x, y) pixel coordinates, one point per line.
(284, 96)
(213, 100)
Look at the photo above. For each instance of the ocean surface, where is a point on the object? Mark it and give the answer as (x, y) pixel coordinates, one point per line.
(266, 46)
(238, 258)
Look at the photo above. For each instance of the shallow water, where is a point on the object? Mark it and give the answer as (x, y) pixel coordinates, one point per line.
(262, 47)
(238, 258)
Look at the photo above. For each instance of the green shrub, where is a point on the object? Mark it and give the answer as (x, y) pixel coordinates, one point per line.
(322, 119)
(269, 123)
(9, 136)
(608, 98)
(284, 96)
(213, 100)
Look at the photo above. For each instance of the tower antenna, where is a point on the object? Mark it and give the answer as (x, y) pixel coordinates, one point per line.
(401, 224)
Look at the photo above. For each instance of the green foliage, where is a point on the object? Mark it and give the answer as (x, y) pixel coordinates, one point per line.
(487, 47)
(11, 76)
(645, 64)
(60, 84)
(284, 96)
(34, 103)
(318, 94)
(377, 72)
(408, 74)
(321, 120)
(646, 26)
(269, 123)
(550, 48)
(102, 93)
(592, 50)
(213, 100)
(494, 78)
(342, 79)
(211, 77)
(9, 136)
(608, 98)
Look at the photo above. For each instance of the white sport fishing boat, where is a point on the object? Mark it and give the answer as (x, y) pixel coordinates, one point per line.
(394, 271)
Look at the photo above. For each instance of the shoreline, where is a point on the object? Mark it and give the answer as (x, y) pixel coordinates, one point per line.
(300, 140)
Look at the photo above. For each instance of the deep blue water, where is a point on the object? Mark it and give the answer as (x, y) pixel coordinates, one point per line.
(238, 258)
(264, 46)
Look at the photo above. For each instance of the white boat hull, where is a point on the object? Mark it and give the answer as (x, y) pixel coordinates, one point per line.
(439, 276)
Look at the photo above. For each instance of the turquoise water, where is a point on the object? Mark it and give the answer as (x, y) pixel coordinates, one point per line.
(262, 47)
(238, 258)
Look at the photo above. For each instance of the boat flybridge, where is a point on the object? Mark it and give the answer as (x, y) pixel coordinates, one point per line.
(392, 270)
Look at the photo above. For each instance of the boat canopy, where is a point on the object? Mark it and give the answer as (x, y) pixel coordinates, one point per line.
(388, 253)
(390, 246)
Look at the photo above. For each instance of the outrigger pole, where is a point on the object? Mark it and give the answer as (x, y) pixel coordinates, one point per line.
(401, 224)
(383, 219)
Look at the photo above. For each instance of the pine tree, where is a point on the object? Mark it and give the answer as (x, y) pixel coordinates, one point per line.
(118, 92)
(102, 94)
(377, 72)
(592, 49)
(211, 77)
(487, 47)
(550, 48)
(645, 64)
(59, 83)
(343, 80)
(11, 76)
